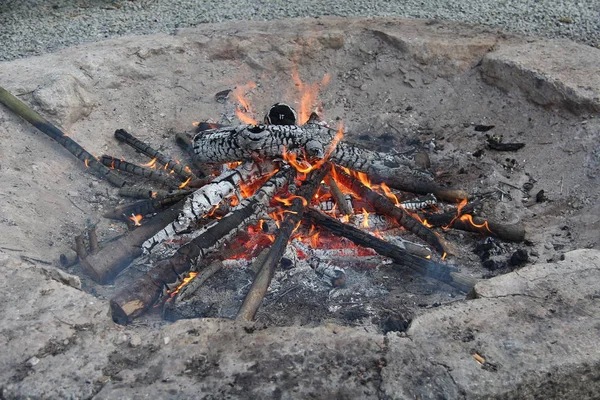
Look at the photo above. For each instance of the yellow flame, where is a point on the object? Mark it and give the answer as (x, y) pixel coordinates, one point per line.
(151, 164)
(184, 184)
(244, 111)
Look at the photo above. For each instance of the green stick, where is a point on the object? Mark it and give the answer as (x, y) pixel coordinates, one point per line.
(35, 119)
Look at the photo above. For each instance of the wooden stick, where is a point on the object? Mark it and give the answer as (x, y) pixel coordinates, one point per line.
(426, 267)
(263, 279)
(143, 207)
(340, 198)
(383, 206)
(204, 274)
(93, 239)
(35, 119)
(152, 174)
(134, 300)
(147, 193)
(170, 165)
(117, 255)
(411, 184)
(463, 221)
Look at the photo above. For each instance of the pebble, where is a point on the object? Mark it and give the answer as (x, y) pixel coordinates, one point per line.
(135, 341)
(36, 27)
(33, 361)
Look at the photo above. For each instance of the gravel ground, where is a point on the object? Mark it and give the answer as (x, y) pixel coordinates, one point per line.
(32, 27)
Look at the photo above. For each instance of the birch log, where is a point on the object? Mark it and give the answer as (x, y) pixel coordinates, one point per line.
(207, 197)
(247, 142)
(133, 300)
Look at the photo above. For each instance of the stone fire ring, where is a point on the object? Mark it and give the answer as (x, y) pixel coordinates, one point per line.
(532, 333)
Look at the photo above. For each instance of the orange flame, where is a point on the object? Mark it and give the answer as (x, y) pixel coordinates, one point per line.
(458, 213)
(136, 219)
(469, 218)
(184, 184)
(185, 281)
(308, 95)
(244, 111)
(151, 164)
(287, 201)
(304, 166)
(365, 222)
(389, 194)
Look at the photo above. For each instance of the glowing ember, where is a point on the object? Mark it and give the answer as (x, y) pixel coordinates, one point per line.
(244, 111)
(184, 184)
(151, 164)
(287, 201)
(136, 219)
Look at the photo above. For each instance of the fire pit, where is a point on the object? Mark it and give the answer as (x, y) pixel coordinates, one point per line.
(344, 211)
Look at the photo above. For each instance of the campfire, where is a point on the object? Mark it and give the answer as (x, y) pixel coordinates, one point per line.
(286, 191)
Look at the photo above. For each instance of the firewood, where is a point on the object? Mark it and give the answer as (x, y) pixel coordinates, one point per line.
(170, 165)
(287, 227)
(416, 185)
(383, 206)
(147, 193)
(246, 142)
(209, 196)
(35, 119)
(511, 232)
(426, 267)
(116, 255)
(185, 142)
(340, 198)
(93, 239)
(144, 207)
(134, 300)
(203, 275)
(152, 174)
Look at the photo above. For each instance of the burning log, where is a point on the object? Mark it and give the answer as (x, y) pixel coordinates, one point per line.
(209, 196)
(340, 198)
(383, 206)
(35, 119)
(142, 207)
(185, 142)
(170, 165)
(291, 222)
(426, 267)
(152, 174)
(146, 193)
(246, 142)
(134, 300)
(462, 220)
(418, 186)
(188, 291)
(116, 255)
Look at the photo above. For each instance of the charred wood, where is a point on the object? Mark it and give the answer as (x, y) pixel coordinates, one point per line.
(383, 206)
(246, 142)
(340, 198)
(209, 196)
(93, 239)
(185, 142)
(170, 165)
(203, 275)
(426, 267)
(35, 119)
(261, 282)
(116, 255)
(143, 207)
(152, 174)
(134, 300)
(418, 186)
(146, 193)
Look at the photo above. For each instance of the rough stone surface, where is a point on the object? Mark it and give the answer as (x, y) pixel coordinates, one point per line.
(58, 342)
(536, 329)
(552, 73)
